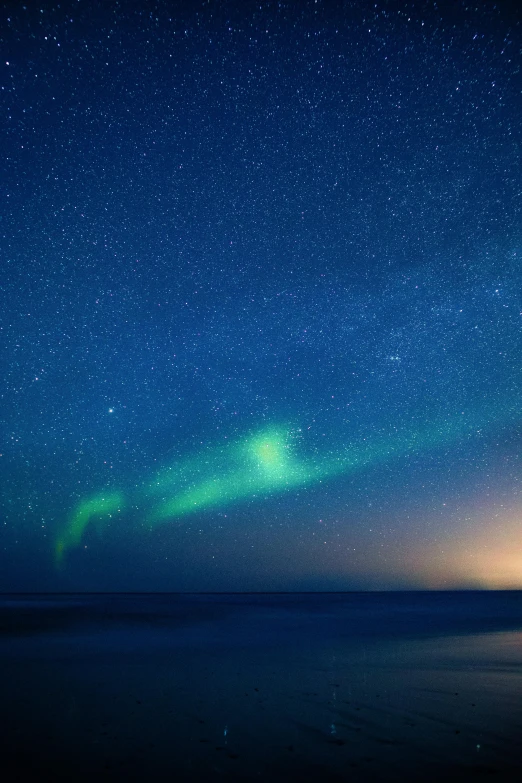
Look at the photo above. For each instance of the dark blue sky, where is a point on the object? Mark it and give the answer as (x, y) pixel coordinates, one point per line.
(261, 275)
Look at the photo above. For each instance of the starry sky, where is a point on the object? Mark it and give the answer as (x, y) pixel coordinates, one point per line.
(261, 295)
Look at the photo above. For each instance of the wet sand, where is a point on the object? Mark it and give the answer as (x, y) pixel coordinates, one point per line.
(334, 688)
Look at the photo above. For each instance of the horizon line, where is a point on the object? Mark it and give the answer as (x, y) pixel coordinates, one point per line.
(261, 592)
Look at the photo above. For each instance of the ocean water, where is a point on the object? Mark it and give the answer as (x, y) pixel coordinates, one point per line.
(276, 687)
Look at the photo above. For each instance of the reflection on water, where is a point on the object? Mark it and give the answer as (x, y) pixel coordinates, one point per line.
(311, 688)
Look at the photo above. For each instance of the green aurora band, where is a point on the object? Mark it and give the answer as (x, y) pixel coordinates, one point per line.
(103, 505)
(258, 464)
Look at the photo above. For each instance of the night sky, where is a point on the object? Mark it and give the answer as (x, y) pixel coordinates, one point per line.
(261, 295)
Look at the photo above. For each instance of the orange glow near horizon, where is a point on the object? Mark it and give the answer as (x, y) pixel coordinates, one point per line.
(485, 554)
(488, 555)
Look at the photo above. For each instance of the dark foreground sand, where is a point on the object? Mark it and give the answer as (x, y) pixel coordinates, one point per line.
(389, 687)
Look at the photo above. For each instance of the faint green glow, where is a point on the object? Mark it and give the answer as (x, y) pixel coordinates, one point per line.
(102, 505)
(259, 463)
(269, 450)
(264, 463)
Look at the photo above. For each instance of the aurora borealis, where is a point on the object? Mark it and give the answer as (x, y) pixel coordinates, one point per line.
(262, 311)
(260, 463)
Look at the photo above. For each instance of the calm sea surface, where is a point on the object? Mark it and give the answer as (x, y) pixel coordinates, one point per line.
(275, 687)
